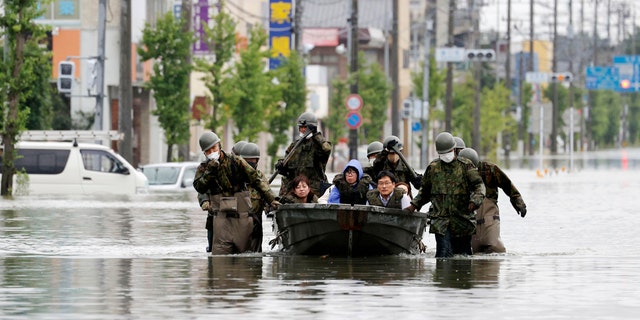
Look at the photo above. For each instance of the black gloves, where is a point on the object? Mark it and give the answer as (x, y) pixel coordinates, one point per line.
(522, 211)
(417, 181)
(279, 165)
(312, 128)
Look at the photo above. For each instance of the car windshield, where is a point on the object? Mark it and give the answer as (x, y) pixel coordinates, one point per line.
(162, 175)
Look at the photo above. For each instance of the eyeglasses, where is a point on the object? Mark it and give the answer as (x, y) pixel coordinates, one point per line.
(351, 172)
(385, 183)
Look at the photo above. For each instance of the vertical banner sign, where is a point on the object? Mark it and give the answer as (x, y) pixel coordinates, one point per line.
(200, 21)
(279, 31)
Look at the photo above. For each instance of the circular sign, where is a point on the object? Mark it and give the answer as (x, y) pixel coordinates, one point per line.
(354, 120)
(354, 102)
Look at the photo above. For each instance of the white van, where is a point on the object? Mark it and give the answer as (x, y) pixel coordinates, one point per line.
(77, 168)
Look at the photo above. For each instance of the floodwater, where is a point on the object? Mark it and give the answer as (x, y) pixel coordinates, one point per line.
(575, 255)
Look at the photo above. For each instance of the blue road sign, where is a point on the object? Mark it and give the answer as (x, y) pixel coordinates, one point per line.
(416, 126)
(354, 120)
(628, 69)
(602, 78)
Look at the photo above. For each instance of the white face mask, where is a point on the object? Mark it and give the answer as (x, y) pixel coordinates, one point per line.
(214, 155)
(371, 161)
(447, 157)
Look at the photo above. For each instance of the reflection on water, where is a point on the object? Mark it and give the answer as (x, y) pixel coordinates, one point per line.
(574, 255)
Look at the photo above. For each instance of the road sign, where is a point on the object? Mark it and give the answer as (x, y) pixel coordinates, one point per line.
(450, 54)
(602, 78)
(354, 102)
(354, 120)
(416, 126)
(536, 77)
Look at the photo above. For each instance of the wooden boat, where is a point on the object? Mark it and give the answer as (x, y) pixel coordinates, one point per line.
(347, 230)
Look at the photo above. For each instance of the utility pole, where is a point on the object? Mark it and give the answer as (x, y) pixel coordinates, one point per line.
(183, 149)
(297, 26)
(448, 111)
(102, 26)
(571, 54)
(554, 68)
(477, 68)
(507, 82)
(353, 68)
(595, 63)
(124, 111)
(424, 154)
(395, 54)
(529, 142)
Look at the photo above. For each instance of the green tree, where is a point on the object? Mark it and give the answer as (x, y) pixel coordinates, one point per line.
(437, 87)
(335, 121)
(284, 114)
(169, 46)
(41, 100)
(605, 118)
(221, 38)
(376, 93)
(252, 94)
(18, 76)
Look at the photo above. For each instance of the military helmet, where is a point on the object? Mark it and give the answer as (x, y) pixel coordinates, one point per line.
(445, 142)
(470, 154)
(250, 151)
(459, 143)
(374, 147)
(238, 146)
(388, 139)
(208, 140)
(307, 118)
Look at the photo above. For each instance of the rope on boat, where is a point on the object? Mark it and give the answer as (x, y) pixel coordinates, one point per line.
(421, 245)
(278, 239)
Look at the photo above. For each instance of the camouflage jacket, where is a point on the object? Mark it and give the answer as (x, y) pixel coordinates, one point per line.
(228, 175)
(450, 187)
(309, 159)
(402, 172)
(258, 203)
(494, 178)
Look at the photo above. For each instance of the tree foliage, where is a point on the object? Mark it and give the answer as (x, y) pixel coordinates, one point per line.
(376, 93)
(18, 76)
(221, 38)
(293, 93)
(169, 46)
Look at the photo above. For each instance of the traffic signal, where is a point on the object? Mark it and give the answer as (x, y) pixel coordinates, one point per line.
(66, 72)
(625, 84)
(561, 77)
(481, 54)
(91, 74)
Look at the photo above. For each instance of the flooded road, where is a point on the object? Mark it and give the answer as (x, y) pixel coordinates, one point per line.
(575, 255)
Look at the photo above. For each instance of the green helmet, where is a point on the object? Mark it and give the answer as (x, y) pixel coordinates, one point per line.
(238, 146)
(250, 151)
(470, 154)
(388, 139)
(307, 118)
(208, 140)
(445, 142)
(459, 143)
(374, 147)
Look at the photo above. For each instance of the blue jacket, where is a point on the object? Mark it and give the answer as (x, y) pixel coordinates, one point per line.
(334, 196)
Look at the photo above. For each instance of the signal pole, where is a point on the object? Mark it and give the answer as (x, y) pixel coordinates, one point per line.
(353, 69)
(102, 26)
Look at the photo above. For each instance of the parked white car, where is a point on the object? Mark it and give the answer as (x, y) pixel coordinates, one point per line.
(75, 168)
(170, 176)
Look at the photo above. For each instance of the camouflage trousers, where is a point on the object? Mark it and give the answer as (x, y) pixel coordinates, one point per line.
(487, 237)
(232, 233)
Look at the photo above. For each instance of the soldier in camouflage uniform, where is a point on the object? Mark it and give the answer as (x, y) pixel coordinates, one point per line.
(309, 158)
(455, 190)
(388, 160)
(225, 177)
(373, 150)
(250, 152)
(487, 237)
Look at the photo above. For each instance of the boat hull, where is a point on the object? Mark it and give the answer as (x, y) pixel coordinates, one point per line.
(346, 230)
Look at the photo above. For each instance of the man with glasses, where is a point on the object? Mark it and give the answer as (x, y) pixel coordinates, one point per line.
(387, 195)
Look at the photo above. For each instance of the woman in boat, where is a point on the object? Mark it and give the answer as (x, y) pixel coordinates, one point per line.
(387, 194)
(351, 186)
(300, 192)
